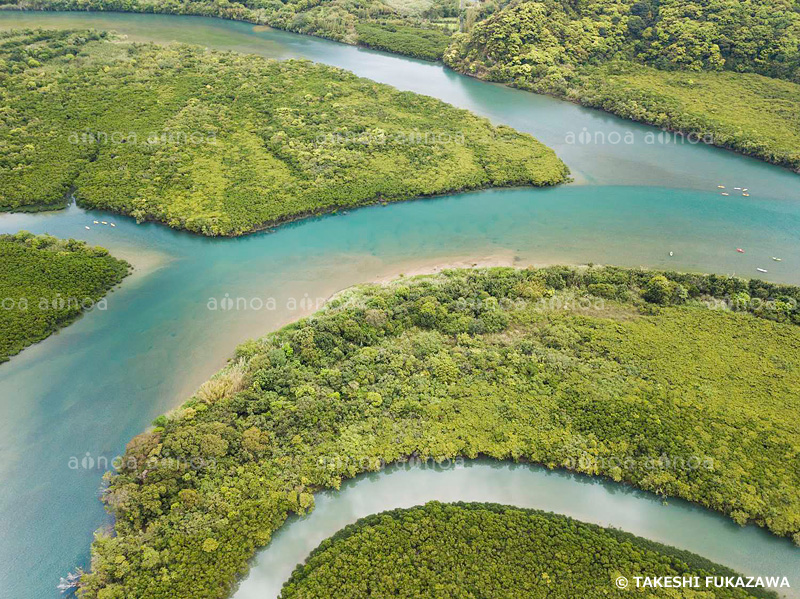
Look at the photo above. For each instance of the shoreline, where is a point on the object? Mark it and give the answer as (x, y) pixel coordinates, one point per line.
(273, 225)
(729, 147)
(258, 26)
(433, 266)
(422, 267)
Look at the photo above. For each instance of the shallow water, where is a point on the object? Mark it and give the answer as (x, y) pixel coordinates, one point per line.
(90, 388)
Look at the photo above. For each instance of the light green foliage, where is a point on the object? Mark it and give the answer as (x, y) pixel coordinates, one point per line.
(224, 144)
(471, 550)
(46, 283)
(674, 397)
(749, 113)
(680, 64)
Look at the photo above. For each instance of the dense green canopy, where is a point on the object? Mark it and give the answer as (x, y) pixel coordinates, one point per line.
(727, 71)
(761, 36)
(545, 38)
(224, 144)
(487, 551)
(684, 385)
(46, 283)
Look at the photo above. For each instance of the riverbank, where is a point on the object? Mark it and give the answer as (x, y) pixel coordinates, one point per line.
(318, 139)
(437, 265)
(47, 283)
(643, 156)
(448, 548)
(320, 401)
(761, 125)
(423, 43)
(717, 109)
(749, 549)
(160, 341)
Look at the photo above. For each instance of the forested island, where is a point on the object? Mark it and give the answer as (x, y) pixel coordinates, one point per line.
(46, 283)
(727, 73)
(472, 550)
(681, 384)
(225, 144)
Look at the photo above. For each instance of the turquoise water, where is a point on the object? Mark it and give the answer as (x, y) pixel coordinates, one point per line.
(90, 388)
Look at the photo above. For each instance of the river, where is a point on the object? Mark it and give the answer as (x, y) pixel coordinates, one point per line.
(588, 499)
(84, 392)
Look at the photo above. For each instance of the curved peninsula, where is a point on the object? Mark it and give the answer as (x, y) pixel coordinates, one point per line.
(226, 144)
(46, 283)
(476, 550)
(685, 385)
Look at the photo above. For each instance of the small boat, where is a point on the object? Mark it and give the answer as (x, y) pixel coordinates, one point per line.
(671, 254)
(777, 259)
(720, 187)
(103, 222)
(86, 227)
(745, 189)
(112, 224)
(96, 222)
(740, 250)
(725, 193)
(737, 188)
(761, 269)
(747, 195)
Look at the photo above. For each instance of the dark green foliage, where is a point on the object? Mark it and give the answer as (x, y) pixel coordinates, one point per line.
(536, 38)
(429, 44)
(727, 71)
(660, 290)
(486, 550)
(224, 144)
(675, 398)
(46, 283)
